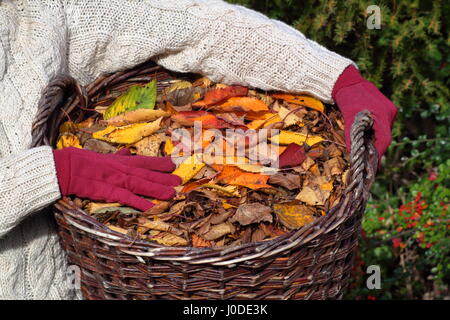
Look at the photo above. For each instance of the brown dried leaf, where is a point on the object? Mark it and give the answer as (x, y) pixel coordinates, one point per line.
(333, 151)
(308, 163)
(149, 146)
(252, 213)
(313, 195)
(334, 166)
(158, 208)
(99, 146)
(159, 225)
(169, 239)
(221, 217)
(219, 230)
(185, 96)
(289, 181)
(258, 235)
(199, 242)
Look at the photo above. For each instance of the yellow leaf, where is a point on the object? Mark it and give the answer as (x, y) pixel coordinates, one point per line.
(255, 124)
(68, 140)
(101, 109)
(227, 190)
(169, 239)
(128, 134)
(92, 207)
(168, 147)
(293, 215)
(328, 186)
(256, 168)
(156, 224)
(221, 86)
(308, 196)
(288, 137)
(315, 170)
(189, 167)
(223, 159)
(202, 82)
(265, 120)
(139, 115)
(314, 195)
(301, 100)
(289, 118)
(118, 229)
(226, 205)
(177, 86)
(68, 127)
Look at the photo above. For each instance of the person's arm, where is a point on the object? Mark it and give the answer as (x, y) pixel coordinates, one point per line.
(27, 183)
(225, 42)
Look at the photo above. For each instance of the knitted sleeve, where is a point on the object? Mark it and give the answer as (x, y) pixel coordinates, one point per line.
(27, 183)
(225, 42)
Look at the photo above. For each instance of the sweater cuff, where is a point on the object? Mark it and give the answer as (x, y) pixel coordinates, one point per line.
(349, 77)
(325, 67)
(37, 180)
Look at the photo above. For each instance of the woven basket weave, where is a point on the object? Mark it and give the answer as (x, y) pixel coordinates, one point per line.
(313, 262)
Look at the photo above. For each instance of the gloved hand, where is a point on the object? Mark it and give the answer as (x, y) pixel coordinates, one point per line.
(115, 177)
(352, 94)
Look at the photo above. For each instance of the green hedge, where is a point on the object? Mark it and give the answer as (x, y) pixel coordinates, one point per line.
(409, 60)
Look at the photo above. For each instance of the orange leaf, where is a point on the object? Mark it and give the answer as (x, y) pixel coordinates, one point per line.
(208, 120)
(197, 184)
(216, 96)
(235, 176)
(199, 242)
(293, 215)
(265, 120)
(245, 104)
(301, 101)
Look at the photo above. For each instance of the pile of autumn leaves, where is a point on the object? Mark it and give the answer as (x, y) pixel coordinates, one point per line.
(218, 203)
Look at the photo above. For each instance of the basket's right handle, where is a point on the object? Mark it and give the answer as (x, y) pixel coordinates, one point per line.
(54, 96)
(363, 156)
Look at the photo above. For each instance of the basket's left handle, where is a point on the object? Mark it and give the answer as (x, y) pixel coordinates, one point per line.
(54, 98)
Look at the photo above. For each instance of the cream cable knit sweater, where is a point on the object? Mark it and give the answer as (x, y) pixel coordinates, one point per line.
(40, 38)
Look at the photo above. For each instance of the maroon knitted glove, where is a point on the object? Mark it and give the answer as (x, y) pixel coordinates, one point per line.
(115, 177)
(352, 94)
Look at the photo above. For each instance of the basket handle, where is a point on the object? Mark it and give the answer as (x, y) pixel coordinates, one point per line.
(60, 92)
(363, 155)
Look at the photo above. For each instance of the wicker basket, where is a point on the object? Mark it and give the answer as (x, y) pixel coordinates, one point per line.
(313, 262)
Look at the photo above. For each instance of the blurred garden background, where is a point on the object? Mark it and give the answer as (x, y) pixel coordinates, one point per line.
(406, 228)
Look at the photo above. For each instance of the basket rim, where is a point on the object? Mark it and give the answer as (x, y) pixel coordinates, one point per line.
(362, 174)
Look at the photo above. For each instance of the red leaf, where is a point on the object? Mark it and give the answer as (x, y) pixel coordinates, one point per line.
(216, 96)
(208, 120)
(293, 156)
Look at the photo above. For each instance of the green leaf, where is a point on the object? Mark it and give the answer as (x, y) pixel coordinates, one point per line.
(137, 97)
